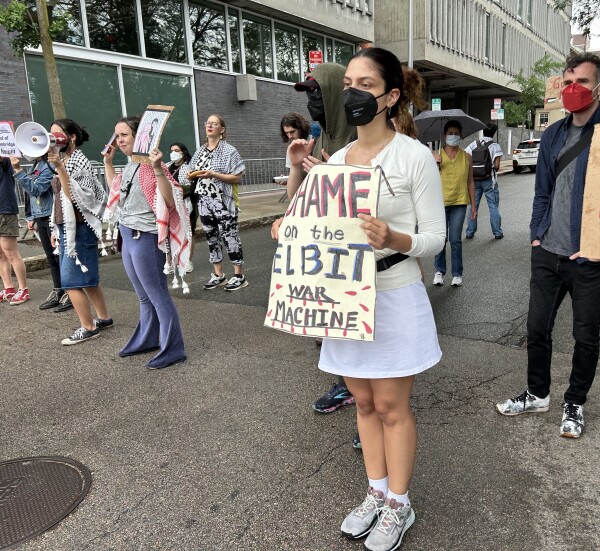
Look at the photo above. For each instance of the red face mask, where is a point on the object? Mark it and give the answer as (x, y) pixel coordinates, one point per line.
(576, 97)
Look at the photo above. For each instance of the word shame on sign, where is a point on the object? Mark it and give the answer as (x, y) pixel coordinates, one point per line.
(323, 274)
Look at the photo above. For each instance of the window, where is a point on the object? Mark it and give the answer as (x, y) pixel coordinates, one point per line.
(112, 25)
(487, 36)
(287, 53)
(234, 37)
(73, 33)
(544, 118)
(329, 49)
(84, 85)
(310, 42)
(209, 41)
(144, 88)
(164, 30)
(503, 44)
(257, 45)
(343, 52)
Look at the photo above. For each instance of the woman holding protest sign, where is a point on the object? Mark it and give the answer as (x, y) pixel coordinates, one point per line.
(148, 204)
(380, 374)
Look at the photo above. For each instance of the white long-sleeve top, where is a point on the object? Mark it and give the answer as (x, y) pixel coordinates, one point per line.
(416, 207)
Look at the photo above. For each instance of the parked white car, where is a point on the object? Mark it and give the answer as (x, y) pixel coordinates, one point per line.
(525, 155)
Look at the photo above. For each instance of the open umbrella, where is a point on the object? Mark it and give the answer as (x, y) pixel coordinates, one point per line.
(431, 123)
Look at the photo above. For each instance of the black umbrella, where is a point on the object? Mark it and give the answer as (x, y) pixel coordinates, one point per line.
(431, 123)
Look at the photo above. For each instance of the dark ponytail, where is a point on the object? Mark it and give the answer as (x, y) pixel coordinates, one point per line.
(70, 127)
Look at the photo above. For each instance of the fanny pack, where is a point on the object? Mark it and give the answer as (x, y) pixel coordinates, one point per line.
(389, 261)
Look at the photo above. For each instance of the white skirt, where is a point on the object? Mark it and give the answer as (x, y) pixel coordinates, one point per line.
(405, 341)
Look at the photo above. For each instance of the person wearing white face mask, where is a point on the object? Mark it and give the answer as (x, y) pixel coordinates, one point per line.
(179, 168)
(456, 170)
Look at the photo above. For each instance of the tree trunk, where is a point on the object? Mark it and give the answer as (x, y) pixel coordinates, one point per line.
(56, 99)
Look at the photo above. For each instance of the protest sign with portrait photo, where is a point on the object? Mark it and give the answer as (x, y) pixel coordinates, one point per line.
(149, 131)
(323, 273)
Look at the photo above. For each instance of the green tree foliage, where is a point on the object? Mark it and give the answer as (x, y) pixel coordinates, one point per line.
(20, 18)
(583, 12)
(533, 88)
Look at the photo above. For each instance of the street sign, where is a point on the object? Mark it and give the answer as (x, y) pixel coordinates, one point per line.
(497, 103)
(315, 57)
(500, 114)
(494, 114)
(436, 104)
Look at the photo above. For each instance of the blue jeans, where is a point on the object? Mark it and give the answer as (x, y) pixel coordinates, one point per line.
(552, 277)
(493, 200)
(455, 219)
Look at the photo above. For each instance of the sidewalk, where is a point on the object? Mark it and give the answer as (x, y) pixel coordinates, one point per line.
(256, 209)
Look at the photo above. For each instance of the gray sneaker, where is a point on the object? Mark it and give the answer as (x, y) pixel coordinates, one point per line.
(394, 520)
(215, 281)
(572, 421)
(362, 519)
(524, 403)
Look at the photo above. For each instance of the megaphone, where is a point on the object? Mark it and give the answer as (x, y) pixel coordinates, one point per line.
(34, 141)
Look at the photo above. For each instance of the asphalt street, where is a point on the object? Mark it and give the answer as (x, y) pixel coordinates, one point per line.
(223, 452)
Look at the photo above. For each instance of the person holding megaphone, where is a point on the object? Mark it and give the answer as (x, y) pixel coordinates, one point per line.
(79, 203)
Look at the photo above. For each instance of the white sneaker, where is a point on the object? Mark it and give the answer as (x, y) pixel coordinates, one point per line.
(572, 421)
(524, 403)
(190, 267)
(456, 281)
(438, 278)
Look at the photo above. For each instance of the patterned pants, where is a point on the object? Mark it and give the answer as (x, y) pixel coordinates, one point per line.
(220, 226)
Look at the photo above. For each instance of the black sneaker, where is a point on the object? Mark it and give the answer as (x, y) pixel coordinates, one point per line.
(338, 396)
(53, 299)
(103, 324)
(236, 283)
(356, 442)
(65, 304)
(82, 334)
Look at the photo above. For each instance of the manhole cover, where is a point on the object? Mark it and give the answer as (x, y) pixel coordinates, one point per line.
(36, 493)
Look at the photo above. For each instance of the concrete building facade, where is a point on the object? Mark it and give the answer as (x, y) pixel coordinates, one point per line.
(240, 58)
(469, 51)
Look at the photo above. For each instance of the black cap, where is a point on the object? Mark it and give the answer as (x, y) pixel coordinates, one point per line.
(308, 85)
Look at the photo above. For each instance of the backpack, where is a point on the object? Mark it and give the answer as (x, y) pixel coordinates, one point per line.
(482, 160)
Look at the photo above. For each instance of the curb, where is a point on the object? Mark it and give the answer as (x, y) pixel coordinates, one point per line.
(40, 262)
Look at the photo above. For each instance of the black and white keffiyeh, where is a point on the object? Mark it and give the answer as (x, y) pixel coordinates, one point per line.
(88, 196)
(224, 159)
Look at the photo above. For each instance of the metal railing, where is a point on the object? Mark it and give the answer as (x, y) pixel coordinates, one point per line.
(257, 178)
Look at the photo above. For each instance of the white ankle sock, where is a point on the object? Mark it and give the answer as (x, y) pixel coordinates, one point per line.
(399, 498)
(379, 485)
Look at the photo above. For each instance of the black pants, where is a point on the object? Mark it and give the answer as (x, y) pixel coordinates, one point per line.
(43, 228)
(552, 277)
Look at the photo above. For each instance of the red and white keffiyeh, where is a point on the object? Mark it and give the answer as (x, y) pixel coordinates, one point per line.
(173, 224)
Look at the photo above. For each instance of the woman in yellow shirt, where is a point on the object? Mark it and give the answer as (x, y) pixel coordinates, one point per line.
(456, 170)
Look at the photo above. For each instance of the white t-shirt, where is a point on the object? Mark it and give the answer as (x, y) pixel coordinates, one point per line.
(414, 178)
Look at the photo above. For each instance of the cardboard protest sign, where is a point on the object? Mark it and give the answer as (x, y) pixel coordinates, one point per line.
(8, 146)
(323, 273)
(590, 220)
(149, 131)
(552, 96)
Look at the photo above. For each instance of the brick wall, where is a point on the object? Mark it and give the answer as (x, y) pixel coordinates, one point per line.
(14, 98)
(252, 126)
